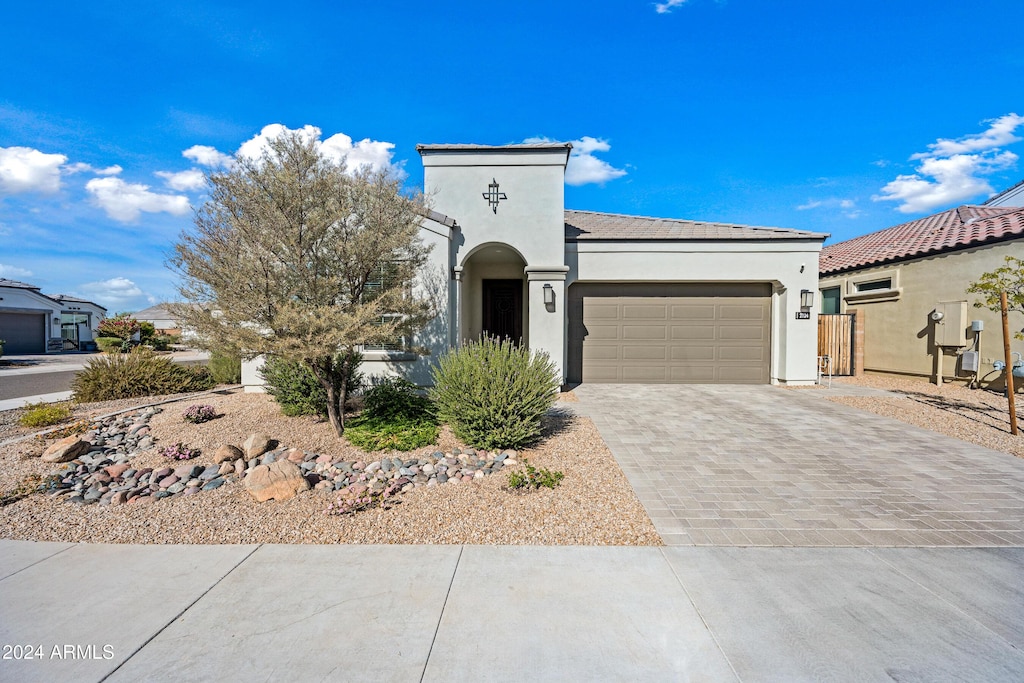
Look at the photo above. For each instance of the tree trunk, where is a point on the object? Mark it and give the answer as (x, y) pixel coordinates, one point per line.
(324, 372)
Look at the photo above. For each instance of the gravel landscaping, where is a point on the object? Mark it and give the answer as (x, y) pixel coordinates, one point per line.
(594, 505)
(975, 415)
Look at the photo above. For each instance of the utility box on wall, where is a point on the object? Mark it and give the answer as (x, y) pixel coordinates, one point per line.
(951, 327)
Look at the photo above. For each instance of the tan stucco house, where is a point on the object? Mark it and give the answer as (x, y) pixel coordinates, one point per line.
(899, 280)
(610, 297)
(33, 322)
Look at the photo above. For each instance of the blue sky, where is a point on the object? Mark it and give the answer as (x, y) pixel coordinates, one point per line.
(839, 117)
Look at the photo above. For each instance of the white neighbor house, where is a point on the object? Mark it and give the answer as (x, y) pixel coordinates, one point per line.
(33, 322)
(610, 298)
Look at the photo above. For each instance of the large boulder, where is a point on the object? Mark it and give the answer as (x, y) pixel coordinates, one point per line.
(256, 445)
(66, 449)
(280, 480)
(227, 453)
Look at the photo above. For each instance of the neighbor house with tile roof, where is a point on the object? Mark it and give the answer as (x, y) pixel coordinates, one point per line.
(894, 279)
(609, 297)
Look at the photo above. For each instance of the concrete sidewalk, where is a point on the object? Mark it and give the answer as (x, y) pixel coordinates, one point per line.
(469, 613)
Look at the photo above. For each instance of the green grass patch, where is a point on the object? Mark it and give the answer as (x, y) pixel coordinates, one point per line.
(399, 434)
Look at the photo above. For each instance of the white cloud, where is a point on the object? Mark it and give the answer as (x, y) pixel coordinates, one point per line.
(13, 272)
(941, 182)
(666, 7)
(115, 293)
(184, 181)
(366, 153)
(81, 167)
(23, 169)
(952, 171)
(126, 201)
(204, 155)
(848, 207)
(583, 167)
(999, 134)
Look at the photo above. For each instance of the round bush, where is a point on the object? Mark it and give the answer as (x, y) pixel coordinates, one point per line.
(493, 393)
(137, 373)
(297, 390)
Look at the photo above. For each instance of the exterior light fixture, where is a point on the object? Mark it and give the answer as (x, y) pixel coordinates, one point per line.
(806, 298)
(549, 295)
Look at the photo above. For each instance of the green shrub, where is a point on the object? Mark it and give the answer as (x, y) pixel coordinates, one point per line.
(146, 332)
(395, 417)
(161, 342)
(493, 393)
(294, 386)
(226, 368)
(109, 344)
(137, 373)
(394, 397)
(44, 414)
(533, 478)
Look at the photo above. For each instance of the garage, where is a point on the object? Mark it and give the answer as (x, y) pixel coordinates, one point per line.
(23, 332)
(670, 333)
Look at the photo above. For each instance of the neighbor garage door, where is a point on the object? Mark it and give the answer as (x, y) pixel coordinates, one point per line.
(700, 334)
(23, 332)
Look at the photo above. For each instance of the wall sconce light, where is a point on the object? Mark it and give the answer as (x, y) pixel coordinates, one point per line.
(806, 298)
(56, 320)
(549, 295)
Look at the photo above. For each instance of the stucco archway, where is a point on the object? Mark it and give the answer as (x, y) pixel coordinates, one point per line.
(493, 293)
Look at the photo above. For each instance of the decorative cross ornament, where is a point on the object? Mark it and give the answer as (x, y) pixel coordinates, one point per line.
(493, 196)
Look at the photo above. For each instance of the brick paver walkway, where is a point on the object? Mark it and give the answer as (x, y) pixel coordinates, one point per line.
(765, 466)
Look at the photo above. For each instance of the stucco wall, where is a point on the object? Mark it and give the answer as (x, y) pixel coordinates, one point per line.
(898, 334)
(794, 342)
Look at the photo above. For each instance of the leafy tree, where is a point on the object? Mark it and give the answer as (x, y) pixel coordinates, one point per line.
(286, 259)
(122, 326)
(1008, 278)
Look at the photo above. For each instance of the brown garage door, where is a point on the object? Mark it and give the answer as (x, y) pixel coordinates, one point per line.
(677, 334)
(23, 332)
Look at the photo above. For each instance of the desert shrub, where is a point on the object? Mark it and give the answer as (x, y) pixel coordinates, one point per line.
(493, 393)
(179, 451)
(226, 368)
(297, 390)
(44, 414)
(138, 373)
(109, 344)
(534, 478)
(198, 414)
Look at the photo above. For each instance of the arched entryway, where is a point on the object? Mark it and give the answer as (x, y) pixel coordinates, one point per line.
(494, 299)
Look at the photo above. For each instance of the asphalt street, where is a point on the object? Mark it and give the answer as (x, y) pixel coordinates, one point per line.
(17, 386)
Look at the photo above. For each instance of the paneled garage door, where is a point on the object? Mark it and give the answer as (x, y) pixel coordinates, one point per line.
(677, 334)
(23, 332)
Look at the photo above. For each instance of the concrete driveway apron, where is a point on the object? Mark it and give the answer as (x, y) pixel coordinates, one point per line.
(767, 466)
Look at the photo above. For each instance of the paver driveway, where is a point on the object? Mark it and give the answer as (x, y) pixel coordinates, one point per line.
(766, 466)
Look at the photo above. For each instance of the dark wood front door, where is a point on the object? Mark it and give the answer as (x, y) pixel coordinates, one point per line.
(503, 309)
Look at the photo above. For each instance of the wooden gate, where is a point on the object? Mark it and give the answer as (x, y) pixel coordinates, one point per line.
(835, 340)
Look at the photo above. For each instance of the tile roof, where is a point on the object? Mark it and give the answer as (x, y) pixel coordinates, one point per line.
(470, 147)
(4, 282)
(591, 225)
(953, 229)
